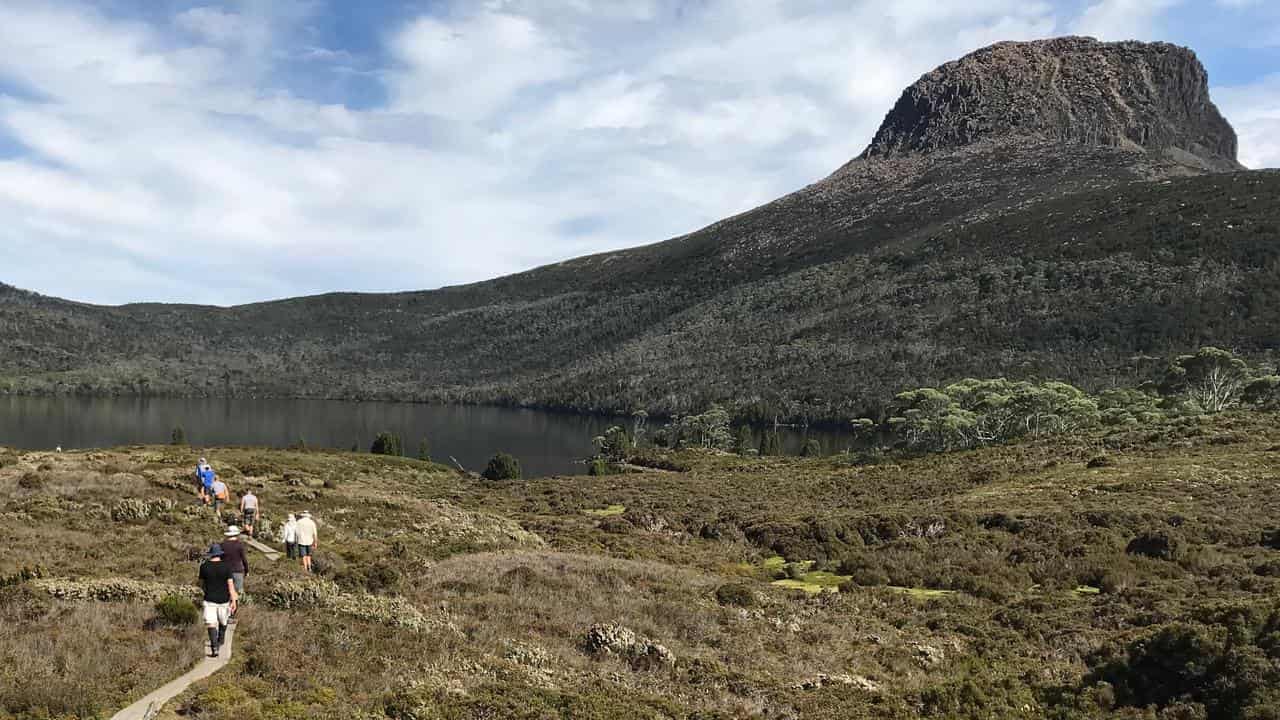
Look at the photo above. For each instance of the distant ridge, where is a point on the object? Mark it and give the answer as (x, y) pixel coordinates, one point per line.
(1045, 209)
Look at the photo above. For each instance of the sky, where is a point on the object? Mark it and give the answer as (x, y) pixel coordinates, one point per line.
(232, 151)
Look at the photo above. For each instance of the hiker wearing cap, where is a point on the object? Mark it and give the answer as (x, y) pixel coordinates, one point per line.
(235, 557)
(218, 490)
(289, 536)
(306, 532)
(204, 481)
(249, 511)
(220, 597)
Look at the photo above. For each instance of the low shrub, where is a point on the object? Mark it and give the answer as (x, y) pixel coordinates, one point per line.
(771, 444)
(600, 466)
(736, 594)
(1222, 666)
(177, 611)
(1156, 544)
(502, 467)
(386, 443)
(657, 462)
(32, 481)
(1268, 569)
(863, 571)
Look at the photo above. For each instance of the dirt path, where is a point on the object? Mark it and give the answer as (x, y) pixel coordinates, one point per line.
(149, 706)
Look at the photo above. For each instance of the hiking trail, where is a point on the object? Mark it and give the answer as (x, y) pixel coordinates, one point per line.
(149, 706)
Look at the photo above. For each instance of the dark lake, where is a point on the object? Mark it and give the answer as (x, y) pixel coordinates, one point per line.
(546, 443)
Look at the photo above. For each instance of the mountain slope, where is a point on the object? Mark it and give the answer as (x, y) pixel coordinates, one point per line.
(1047, 208)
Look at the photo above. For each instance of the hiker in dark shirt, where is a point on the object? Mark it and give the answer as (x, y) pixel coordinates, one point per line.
(235, 557)
(220, 597)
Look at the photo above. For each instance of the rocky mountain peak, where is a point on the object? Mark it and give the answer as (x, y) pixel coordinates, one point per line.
(1148, 96)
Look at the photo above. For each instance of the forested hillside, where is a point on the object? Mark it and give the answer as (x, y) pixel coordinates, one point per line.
(1053, 209)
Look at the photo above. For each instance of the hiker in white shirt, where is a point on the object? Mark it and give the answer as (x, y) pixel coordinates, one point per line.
(289, 536)
(249, 511)
(307, 540)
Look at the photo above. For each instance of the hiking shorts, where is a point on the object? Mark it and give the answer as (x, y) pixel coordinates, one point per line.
(304, 551)
(291, 550)
(250, 514)
(237, 579)
(216, 613)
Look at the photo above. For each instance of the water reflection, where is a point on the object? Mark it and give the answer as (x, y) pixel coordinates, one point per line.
(546, 443)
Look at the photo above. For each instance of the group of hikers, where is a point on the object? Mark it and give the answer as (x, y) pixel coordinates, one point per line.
(226, 563)
(213, 491)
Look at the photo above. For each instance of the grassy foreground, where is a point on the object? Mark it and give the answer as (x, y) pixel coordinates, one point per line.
(1129, 574)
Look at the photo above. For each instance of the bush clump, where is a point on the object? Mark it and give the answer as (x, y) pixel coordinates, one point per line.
(177, 611)
(386, 443)
(1157, 544)
(1222, 665)
(600, 466)
(502, 467)
(736, 594)
(771, 444)
(32, 481)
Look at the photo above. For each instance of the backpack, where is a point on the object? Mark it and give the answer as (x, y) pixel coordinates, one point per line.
(223, 494)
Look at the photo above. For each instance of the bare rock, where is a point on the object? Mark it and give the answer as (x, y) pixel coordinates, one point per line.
(928, 656)
(822, 680)
(1143, 96)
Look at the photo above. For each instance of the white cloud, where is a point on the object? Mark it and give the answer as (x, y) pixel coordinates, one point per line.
(473, 67)
(1254, 110)
(178, 161)
(1123, 19)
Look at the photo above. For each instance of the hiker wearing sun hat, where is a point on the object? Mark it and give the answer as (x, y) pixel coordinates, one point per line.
(235, 557)
(220, 597)
(306, 536)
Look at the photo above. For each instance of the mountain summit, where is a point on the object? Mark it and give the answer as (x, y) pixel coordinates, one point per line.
(1050, 209)
(1149, 96)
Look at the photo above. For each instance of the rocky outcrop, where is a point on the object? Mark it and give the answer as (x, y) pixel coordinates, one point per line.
(1150, 96)
(822, 680)
(603, 640)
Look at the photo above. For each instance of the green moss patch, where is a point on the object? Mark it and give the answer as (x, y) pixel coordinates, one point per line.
(922, 593)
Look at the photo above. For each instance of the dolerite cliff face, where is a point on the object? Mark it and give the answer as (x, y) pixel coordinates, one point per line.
(1150, 96)
(1048, 209)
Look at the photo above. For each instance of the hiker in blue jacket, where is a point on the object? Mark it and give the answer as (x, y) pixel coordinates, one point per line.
(205, 476)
